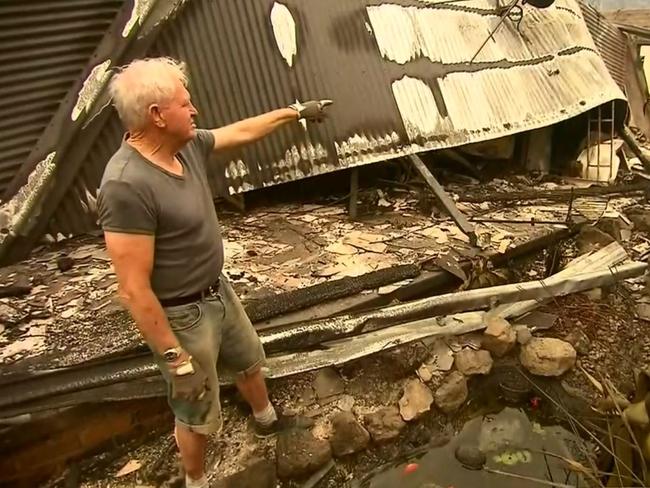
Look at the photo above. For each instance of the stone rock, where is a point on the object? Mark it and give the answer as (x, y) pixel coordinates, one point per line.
(308, 396)
(426, 371)
(470, 362)
(348, 435)
(579, 340)
(499, 337)
(403, 360)
(643, 311)
(64, 263)
(346, 403)
(470, 456)
(524, 335)
(615, 227)
(260, 474)
(640, 217)
(415, 401)
(591, 239)
(452, 393)
(328, 383)
(385, 424)
(546, 356)
(595, 295)
(299, 454)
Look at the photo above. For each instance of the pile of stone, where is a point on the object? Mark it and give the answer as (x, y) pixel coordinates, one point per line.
(301, 453)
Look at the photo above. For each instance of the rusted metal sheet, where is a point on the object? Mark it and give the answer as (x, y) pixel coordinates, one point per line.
(399, 74)
(44, 47)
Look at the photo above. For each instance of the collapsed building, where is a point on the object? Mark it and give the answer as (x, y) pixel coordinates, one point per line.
(400, 87)
(546, 87)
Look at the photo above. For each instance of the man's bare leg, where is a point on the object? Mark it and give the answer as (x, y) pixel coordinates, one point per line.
(253, 388)
(192, 447)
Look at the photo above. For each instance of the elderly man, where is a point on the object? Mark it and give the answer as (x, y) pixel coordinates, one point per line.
(163, 237)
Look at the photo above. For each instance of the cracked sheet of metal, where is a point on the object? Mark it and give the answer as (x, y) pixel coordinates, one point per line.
(399, 75)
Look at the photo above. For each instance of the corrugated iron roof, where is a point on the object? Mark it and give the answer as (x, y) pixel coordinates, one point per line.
(399, 75)
(44, 47)
(393, 71)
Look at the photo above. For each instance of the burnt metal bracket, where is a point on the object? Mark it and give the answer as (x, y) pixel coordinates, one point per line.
(461, 220)
(354, 193)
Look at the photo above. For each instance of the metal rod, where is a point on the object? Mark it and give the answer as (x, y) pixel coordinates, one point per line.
(611, 141)
(589, 120)
(598, 149)
(354, 192)
(501, 21)
(531, 221)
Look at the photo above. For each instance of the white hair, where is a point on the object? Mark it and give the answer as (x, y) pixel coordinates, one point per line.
(144, 82)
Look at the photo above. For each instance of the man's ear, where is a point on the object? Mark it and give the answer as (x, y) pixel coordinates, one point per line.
(156, 115)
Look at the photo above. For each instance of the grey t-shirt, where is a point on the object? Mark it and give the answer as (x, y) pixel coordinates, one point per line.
(138, 197)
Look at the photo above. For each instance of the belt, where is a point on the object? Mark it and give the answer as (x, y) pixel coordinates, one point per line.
(210, 291)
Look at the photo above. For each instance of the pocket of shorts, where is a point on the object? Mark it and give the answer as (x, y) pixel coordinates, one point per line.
(184, 317)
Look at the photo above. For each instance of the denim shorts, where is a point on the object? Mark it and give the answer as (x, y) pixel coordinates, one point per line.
(218, 334)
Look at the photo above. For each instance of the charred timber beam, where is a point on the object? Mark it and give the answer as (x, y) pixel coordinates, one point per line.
(557, 195)
(461, 220)
(629, 139)
(329, 290)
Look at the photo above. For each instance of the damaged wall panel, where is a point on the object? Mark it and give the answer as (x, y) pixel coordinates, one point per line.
(44, 47)
(396, 91)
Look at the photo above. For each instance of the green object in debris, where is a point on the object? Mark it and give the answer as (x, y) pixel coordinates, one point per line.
(510, 458)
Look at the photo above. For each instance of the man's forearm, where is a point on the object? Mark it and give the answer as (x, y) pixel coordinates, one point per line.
(151, 320)
(260, 126)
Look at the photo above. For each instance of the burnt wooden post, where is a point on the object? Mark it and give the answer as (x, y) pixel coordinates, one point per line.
(459, 217)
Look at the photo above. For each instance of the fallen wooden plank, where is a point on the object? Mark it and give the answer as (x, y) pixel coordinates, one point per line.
(461, 221)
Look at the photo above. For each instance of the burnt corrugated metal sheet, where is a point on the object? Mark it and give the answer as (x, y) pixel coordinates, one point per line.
(610, 41)
(399, 75)
(44, 47)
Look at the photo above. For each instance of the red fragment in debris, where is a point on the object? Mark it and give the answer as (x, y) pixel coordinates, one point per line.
(534, 402)
(410, 468)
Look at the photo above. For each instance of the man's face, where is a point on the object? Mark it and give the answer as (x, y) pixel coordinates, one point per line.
(177, 115)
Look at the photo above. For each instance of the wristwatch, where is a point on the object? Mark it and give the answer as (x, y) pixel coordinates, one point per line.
(172, 354)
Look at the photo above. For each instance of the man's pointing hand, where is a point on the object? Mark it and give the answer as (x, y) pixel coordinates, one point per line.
(313, 110)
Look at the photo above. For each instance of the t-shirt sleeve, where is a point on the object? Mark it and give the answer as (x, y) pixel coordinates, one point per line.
(205, 142)
(122, 208)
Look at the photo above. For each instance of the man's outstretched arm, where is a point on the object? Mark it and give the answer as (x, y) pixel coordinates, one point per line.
(255, 128)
